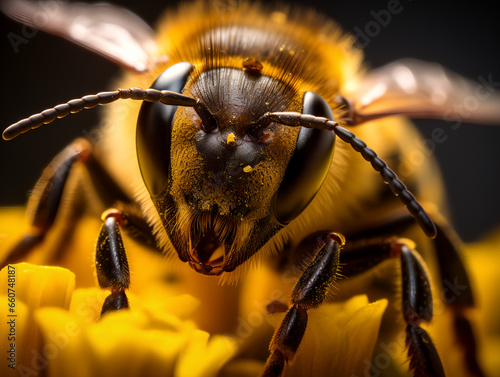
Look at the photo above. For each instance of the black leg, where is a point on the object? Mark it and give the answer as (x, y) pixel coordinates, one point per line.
(416, 295)
(111, 262)
(309, 292)
(417, 307)
(453, 271)
(53, 196)
(45, 201)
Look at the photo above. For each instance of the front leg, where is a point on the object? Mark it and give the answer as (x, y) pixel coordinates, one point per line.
(111, 262)
(310, 292)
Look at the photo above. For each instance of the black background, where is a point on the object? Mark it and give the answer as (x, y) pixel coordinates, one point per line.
(463, 36)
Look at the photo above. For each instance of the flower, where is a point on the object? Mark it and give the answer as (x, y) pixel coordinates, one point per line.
(183, 325)
(23, 288)
(67, 339)
(155, 339)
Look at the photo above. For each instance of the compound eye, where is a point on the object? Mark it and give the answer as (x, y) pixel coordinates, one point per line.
(309, 164)
(154, 130)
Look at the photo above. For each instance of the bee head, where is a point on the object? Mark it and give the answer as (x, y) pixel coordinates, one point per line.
(223, 182)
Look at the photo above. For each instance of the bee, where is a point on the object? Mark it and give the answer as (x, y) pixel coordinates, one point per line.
(251, 133)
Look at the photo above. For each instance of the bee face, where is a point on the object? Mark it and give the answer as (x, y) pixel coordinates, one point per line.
(216, 205)
(222, 182)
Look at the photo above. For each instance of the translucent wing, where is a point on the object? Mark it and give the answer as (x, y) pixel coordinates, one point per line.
(108, 30)
(420, 89)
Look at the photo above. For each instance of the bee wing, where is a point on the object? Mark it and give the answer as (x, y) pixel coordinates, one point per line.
(111, 31)
(420, 89)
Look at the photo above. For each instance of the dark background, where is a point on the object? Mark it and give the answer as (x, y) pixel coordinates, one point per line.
(463, 36)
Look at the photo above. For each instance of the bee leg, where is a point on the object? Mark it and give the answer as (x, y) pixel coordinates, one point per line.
(309, 292)
(111, 262)
(417, 307)
(459, 298)
(416, 295)
(46, 198)
(457, 292)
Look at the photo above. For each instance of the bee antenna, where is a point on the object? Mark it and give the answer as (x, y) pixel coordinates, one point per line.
(397, 187)
(74, 106)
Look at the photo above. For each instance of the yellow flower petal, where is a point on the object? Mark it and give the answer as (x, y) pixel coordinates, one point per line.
(203, 357)
(339, 339)
(27, 287)
(130, 343)
(44, 286)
